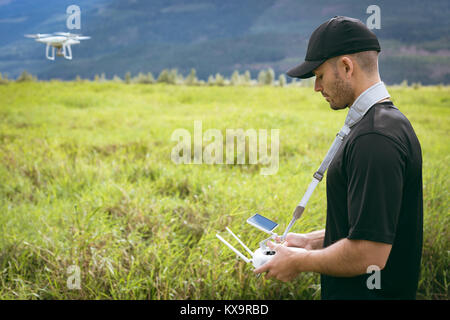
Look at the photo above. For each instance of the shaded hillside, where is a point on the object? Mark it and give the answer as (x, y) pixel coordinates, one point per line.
(221, 36)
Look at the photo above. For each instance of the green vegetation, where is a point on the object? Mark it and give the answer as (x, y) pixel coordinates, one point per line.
(87, 180)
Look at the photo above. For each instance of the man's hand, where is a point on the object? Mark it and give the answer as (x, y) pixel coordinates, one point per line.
(308, 241)
(285, 264)
(298, 240)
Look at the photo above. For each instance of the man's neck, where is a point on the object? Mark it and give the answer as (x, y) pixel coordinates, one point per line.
(364, 85)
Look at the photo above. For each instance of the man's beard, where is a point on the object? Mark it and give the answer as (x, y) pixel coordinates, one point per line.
(342, 94)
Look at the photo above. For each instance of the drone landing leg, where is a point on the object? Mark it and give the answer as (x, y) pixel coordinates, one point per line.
(68, 56)
(47, 52)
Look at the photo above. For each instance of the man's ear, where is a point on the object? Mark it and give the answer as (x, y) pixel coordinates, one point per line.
(348, 65)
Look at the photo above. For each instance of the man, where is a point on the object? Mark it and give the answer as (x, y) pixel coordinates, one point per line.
(374, 182)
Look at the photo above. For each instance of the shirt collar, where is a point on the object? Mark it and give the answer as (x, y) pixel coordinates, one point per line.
(365, 101)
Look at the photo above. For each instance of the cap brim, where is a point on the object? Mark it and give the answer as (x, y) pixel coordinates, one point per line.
(305, 70)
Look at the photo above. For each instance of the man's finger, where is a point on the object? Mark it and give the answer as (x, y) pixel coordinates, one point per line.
(262, 269)
(278, 239)
(272, 246)
(268, 275)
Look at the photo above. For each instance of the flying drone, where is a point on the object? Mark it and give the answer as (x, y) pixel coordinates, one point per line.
(60, 41)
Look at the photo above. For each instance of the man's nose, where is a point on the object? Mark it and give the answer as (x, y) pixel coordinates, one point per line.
(317, 86)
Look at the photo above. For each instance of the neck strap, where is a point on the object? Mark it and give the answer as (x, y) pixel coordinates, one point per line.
(364, 102)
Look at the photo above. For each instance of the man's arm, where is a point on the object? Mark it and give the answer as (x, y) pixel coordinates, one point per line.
(345, 258)
(348, 258)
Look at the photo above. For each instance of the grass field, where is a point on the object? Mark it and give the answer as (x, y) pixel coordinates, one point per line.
(86, 180)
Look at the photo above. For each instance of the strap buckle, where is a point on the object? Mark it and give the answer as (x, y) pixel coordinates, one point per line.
(318, 175)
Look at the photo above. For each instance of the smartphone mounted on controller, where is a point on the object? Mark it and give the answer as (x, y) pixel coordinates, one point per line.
(262, 223)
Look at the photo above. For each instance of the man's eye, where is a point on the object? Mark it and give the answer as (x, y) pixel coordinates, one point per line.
(320, 77)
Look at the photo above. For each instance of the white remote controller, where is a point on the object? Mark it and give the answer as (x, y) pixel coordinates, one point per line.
(261, 256)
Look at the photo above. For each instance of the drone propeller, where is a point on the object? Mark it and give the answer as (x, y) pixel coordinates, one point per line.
(72, 35)
(66, 34)
(38, 35)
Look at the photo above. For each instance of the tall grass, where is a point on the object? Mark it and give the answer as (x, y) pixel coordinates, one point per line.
(86, 179)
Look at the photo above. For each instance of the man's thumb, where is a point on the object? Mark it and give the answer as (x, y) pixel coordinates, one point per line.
(272, 246)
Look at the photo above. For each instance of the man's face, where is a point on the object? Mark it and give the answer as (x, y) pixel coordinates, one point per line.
(334, 87)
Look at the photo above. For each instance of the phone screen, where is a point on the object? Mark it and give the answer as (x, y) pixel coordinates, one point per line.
(262, 222)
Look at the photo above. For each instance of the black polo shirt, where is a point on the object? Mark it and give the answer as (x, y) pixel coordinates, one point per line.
(374, 192)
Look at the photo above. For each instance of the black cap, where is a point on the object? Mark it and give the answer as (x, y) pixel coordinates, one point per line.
(338, 36)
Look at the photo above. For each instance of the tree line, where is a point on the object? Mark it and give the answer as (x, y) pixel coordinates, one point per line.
(172, 76)
(265, 77)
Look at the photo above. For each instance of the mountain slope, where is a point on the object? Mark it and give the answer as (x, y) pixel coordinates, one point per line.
(221, 36)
